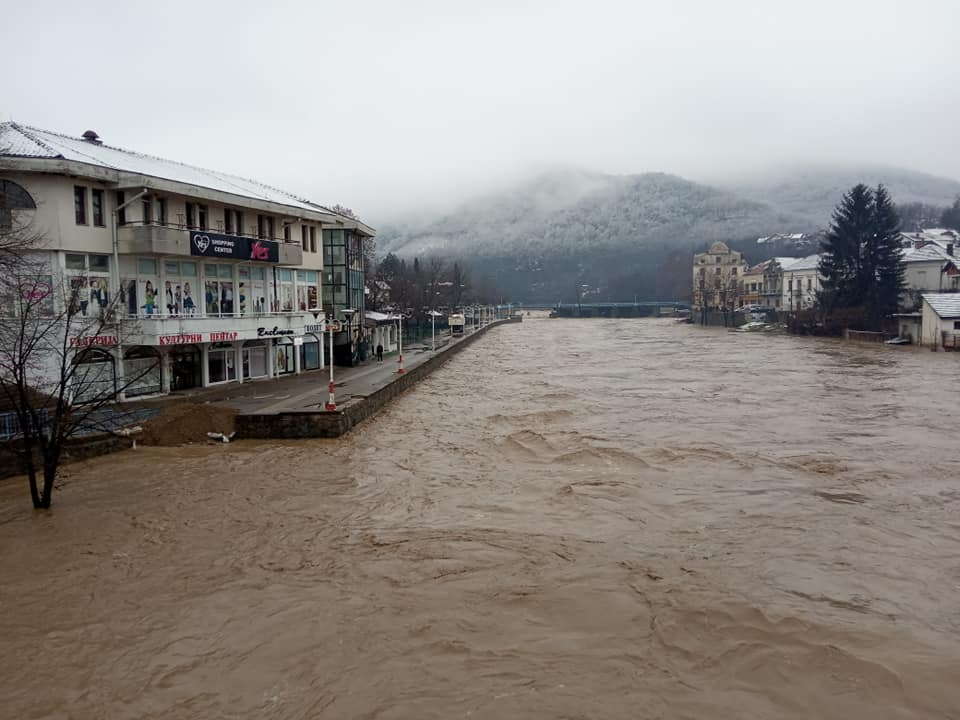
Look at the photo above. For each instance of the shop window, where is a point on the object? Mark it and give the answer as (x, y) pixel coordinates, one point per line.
(218, 289)
(254, 356)
(141, 371)
(307, 290)
(221, 363)
(286, 290)
(285, 356)
(94, 376)
(310, 353)
(88, 276)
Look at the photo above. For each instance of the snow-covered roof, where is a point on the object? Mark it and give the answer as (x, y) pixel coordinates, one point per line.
(810, 262)
(927, 253)
(946, 305)
(940, 236)
(28, 142)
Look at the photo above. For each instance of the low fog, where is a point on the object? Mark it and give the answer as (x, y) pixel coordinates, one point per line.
(402, 108)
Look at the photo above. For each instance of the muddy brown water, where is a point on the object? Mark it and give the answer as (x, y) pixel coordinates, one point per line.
(571, 519)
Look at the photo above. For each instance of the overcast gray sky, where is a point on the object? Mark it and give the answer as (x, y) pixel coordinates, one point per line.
(390, 107)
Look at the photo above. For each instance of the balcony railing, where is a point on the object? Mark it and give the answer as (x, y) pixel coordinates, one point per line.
(252, 233)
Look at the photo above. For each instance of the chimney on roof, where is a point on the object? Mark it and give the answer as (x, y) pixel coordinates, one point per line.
(919, 243)
(91, 137)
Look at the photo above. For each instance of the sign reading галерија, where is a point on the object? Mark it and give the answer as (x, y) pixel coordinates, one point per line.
(233, 247)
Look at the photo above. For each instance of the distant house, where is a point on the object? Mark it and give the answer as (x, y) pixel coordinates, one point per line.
(771, 294)
(717, 282)
(801, 283)
(930, 267)
(940, 323)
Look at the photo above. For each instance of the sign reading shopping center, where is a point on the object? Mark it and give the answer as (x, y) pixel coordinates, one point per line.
(233, 247)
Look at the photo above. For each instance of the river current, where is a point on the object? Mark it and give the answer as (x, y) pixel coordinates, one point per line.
(570, 519)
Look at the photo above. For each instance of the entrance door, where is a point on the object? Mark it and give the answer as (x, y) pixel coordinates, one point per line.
(185, 368)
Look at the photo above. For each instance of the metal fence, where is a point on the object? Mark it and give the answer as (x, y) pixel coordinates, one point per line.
(10, 424)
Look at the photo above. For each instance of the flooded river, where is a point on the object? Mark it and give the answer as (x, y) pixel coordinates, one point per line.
(571, 519)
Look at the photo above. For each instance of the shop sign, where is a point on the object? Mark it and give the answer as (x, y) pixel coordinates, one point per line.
(233, 247)
(223, 336)
(273, 332)
(316, 328)
(91, 340)
(181, 339)
(298, 341)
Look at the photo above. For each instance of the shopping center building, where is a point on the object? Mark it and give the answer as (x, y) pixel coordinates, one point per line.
(218, 277)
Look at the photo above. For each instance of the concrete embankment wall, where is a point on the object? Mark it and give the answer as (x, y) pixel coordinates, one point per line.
(326, 424)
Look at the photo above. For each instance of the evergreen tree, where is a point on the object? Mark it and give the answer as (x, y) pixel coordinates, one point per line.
(841, 261)
(951, 216)
(886, 282)
(861, 264)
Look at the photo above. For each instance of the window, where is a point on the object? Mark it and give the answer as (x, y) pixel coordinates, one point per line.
(307, 296)
(191, 216)
(80, 205)
(121, 214)
(13, 197)
(228, 222)
(269, 228)
(718, 260)
(303, 237)
(809, 283)
(286, 290)
(97, 198)
(313, 239)
(261, 226)
(218, 289)
(718, 271)
(147, 210)
(89, 280)
(238, 216)
(202, 216)
(789, 285)
(733, 271)
(161, 211)
(286, 233)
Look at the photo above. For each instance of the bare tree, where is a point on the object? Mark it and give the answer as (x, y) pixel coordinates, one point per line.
(50, 336)
(345, 211)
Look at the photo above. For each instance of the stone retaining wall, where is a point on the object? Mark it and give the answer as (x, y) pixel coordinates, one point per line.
(327, 424)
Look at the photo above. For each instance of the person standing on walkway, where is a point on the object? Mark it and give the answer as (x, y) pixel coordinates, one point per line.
(379, 353)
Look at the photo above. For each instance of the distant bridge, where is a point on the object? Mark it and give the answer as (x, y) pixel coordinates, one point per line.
(644, 308)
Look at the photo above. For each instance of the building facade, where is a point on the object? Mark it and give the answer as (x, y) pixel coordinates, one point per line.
(801, 283)
(717, 282)
(217, 277)
(940, 322)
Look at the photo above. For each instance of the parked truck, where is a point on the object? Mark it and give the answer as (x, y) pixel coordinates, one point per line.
(456, 323)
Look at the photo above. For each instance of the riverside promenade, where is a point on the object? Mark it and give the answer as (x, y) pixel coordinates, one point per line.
(295, 407)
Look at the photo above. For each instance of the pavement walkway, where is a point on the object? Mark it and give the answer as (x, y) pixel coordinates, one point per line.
(308, 391)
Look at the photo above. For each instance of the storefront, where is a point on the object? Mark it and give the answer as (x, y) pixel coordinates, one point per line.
(285, 356)
(94, 375)
(254, 360)
(141, 371)
(310, 353)
(185, 367)
(221, 363)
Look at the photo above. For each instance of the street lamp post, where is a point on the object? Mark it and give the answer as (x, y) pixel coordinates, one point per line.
(331, 403)
(400, 341)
